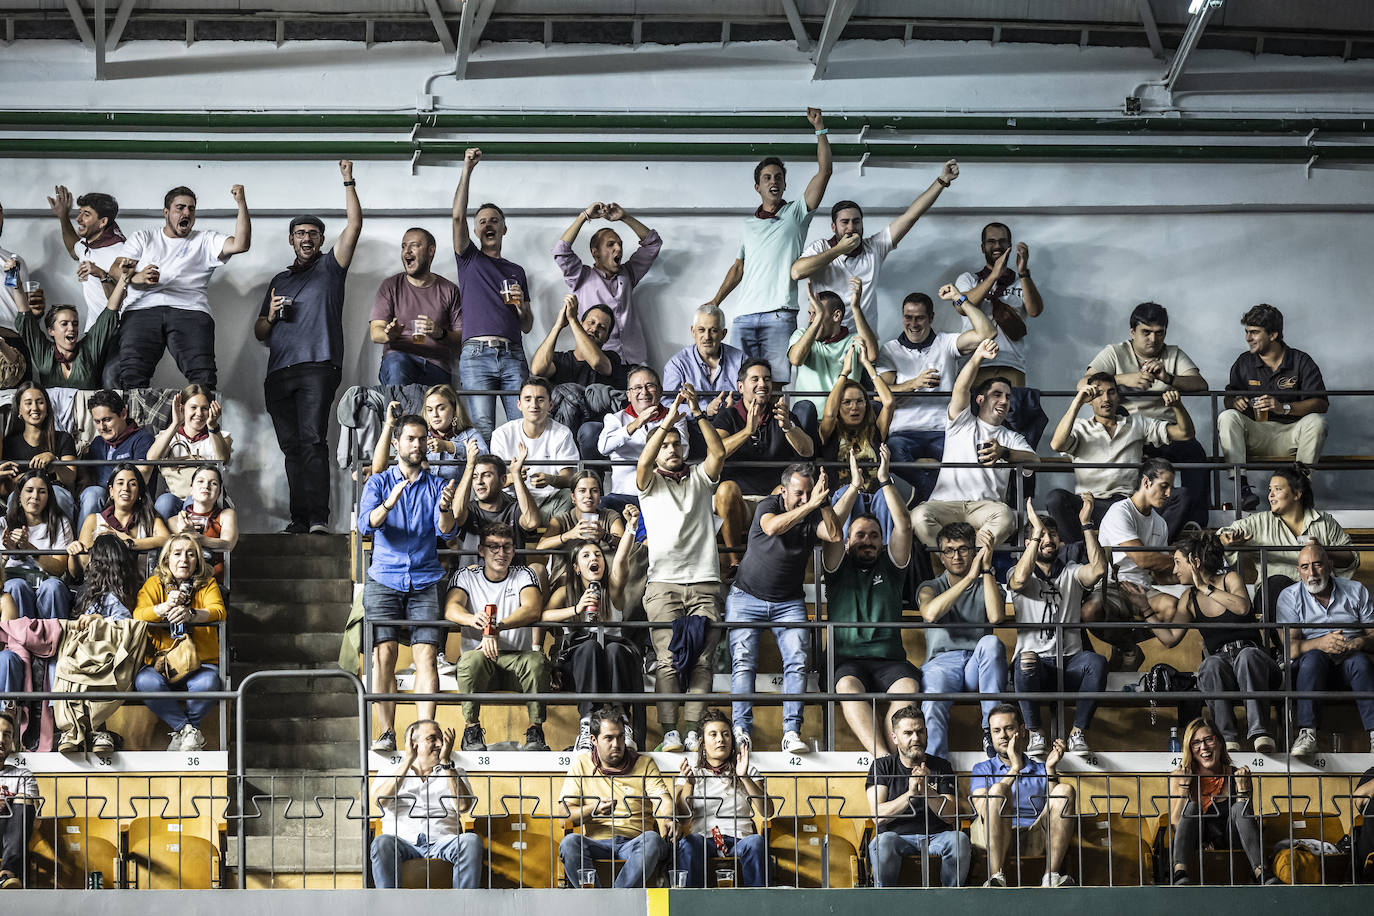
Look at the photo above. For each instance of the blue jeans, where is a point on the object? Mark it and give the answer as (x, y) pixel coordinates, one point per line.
(12, 677)
(983, 670)
(764, 335)
(873, 503)
(484, 366)
(409, 369)
(1315, 671)
(463, 850)
(169, 504)
(92, 501)
(641, 855)
(66, 503)
(52, 600)
(1084, 671)
(170, 711)
(952, 846)
(910, 444)
(617, 502)
(751, 853)
(381, 602)
(744, 653)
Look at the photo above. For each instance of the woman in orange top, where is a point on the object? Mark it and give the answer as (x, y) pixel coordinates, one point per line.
(1210, 805)
(180, 593)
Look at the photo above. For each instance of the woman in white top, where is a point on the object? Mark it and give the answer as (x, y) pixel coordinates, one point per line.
(127, 513)
(596, 659)
(192, 434)
(33, 584)
(722, 792)
(206, 518)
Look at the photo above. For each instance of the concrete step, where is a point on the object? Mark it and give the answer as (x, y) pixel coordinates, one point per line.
(290, 567)
(291, 545)
(293, 855)
(268, 708)
(276, 617)
(294, 591)
(319, 649)
(304, 755)
(295, 730)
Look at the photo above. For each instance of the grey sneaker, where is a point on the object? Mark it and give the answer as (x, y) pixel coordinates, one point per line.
(1036, 746)
(103, 743)
(192, 739)
(445, 666)
(175, 743)
(1078, 744)
(474, 739)
(1306, 743)
(385, 743)
(584, 737)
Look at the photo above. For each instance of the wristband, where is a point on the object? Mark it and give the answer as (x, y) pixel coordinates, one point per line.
(942, 183)
(884, 483)
(699, 416)
(212, 429)
(961, 300)
(823, 131)
(1088, 527)
(349, 183)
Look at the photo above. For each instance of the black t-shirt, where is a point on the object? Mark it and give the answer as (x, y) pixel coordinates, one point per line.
(774, 566)
(768, 443)
(889, 773)
(568, 368)
(508, 514)
(16, 449)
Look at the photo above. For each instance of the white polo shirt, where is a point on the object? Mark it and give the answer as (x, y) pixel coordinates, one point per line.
(865, 263)
(942, 352)
(1090, 442)
(184, 269)
(963, 435)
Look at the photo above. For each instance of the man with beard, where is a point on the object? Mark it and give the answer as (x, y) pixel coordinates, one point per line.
(863, 583)
(975, 432)
(1011, 301)
(1047, 591)
(403, 509)
(417, 317)
(481, 501)
(96, 243)
(1146, 369)
(684, 569)
(169, 307)
(915, 812)
(301, 322)
(624, 434)
(772, 241)
(496, 307)
(1330, 633)
(591, 361)
(608, 282)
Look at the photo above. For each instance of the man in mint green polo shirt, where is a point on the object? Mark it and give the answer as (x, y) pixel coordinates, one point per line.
(772, 240)
(818, 350)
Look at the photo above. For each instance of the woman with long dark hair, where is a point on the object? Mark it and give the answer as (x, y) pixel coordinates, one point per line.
(193, 434)
(1210, 804)
(110, 591)
(33, 441)
(182, 592)
(723, 791)
(208, 519)
(599, 659)
(63, 357)
(32, 521)
(851, 427)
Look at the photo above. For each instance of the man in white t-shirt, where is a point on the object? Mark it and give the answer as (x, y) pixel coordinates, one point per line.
(831, 263)
(169, 307)
(19, 803)
(1131, 593)
(919, 359)
(422, 803)
(975, 432)
(549, 445)
(498, 647)
(675, 502)
(1012, 300)
(773, 237)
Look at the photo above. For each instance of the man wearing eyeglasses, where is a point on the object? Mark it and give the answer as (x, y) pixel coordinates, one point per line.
(301, 322)
(625, 433)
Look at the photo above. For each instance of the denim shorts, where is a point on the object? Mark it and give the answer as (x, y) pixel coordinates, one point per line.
(381, 602)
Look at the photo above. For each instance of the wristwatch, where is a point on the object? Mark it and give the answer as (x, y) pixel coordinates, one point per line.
(1287, 408)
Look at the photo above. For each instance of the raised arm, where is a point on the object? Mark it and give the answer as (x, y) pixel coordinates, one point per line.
(815, 189)
(460, 201)
(799, 351)
(1021, 574)
(163, 442)
(381, 452)
(61, 204)
(584, 347)
(1063, 431)
(983, 327)
(899, 545)
(242, 239)
(808, 264)
(1029, 293)
(1096, 568)
(542, 363)
(775, 524)
(830, 415)
(888, 404)
(348, 239)
(592, 212)
(861, 327)
(900, 226)
(961, 396)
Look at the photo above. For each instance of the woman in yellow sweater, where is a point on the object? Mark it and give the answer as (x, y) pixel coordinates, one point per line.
(181, 592)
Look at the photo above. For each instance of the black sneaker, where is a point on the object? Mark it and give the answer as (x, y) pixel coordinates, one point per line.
(1249, 499)
(473, 739)
(987, 744)
(534, 739)
(296, 528)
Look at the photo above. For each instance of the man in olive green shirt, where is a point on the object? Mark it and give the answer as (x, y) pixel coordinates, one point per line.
(864, 585)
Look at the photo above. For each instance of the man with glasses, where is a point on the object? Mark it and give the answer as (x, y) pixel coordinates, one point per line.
(625, 433)
(301, 322)
(961, 659)
(1047, 591)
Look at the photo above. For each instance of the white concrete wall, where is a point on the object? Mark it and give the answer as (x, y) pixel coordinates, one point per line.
(1163, 231)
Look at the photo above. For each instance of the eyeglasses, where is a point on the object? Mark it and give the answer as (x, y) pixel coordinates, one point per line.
(1207, 741)
(501, 547)
(636, 389)
(308, 234)
(957, 551)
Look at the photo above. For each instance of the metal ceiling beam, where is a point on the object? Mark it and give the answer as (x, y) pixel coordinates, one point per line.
(436, 16)
(1202, 11)
(117, 29)
(99, 40)
(465, 43)
(479, 22)
(789, 9)
(1147, 19)
(836, 18)
(83, 28)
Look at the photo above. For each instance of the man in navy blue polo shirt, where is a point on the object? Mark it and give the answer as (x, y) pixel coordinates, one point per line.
(116, 440)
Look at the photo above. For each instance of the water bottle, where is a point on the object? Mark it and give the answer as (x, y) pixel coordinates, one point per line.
(12, 277)
(1175, 746)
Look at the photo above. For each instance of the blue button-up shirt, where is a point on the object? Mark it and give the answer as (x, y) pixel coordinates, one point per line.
(1350, 610)
(403, 548)
(1027, 795)
(687, 366)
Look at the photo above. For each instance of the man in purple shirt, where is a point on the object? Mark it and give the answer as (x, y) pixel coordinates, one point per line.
(496, 308)
(608, 282)
(417, 318)
(403, 509)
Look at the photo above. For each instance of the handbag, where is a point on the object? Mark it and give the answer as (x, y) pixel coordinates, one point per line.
(178, 661)
(1163, 678)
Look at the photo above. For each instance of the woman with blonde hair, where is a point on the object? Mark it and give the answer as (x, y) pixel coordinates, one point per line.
(180, 593)
(1210, 805)
(450, 429)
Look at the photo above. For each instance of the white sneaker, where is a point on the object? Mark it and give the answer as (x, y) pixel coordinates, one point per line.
(1078, 742)
(693, 742)
(1264, 744)
(629, 738)
(1056, 879)
(742, 738)
(385, 743)
(445, 666)
(672, 742)
(792, 743)
(192, 739)
(1306, 743)
(996, 879)
(175, 743)
(584, 736)
(102, 742)
(1036, 746)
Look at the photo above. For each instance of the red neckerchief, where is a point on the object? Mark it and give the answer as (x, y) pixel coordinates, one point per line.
(835, 240)
(764, 213)
(203, 434)
(108, 514)
(63, 360)
(110, 235)
(724, 771)
(1003, 283)
(129, 430)
(742, 410)
(678, 476)
(631, 757)
(844, 332)
(659, 412)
